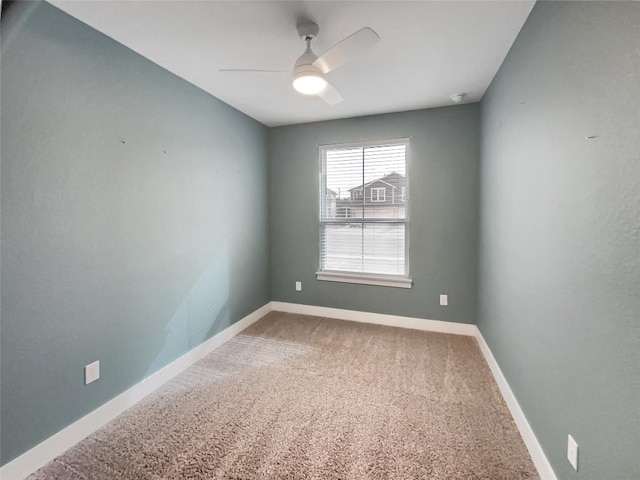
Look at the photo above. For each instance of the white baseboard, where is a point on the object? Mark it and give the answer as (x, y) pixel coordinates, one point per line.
(43, 453)
(378, 318)
(545, 471)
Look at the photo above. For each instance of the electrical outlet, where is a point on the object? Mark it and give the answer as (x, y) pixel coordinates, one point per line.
(572, 452)
(92, 372)
(298, 286)
(444, 300)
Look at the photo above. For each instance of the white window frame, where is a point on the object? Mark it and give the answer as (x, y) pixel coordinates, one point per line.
(400, 281)
(377, 190)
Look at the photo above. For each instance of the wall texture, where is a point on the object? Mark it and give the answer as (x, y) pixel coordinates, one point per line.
(134, 220)
(560, 238)
(443, 185)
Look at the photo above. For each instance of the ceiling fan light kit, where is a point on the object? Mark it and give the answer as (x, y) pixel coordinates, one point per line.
(309, 83)
(309, 71)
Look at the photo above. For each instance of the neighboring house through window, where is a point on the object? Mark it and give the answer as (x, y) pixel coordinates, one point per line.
(363, 221)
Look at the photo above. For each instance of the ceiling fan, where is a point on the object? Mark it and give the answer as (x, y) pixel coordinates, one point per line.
(309, 71)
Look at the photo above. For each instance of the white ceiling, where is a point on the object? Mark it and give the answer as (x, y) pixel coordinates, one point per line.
(429, 50)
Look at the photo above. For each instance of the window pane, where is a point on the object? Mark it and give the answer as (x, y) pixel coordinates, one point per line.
(385, 177)
(383, 247)
(342, 177)
(341, 247)
(364, 248)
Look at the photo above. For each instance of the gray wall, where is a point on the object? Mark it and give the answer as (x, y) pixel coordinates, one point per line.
(114, 251)
(560, 249)
(444, 174)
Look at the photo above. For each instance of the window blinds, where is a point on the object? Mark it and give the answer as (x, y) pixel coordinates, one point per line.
(364, 208)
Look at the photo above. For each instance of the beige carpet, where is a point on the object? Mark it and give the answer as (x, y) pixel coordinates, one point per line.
(297, 397)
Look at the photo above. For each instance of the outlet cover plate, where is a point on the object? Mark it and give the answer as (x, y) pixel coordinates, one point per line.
(572, 452)
(444, 300)
(298, 286)
(92, 372)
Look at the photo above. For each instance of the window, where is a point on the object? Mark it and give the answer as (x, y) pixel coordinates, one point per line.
(403, 194)
(364, 240)
(378, 194)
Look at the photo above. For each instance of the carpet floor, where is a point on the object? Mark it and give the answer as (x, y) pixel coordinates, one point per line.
(299, 397)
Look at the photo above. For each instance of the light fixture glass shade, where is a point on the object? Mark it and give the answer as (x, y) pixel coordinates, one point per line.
(309, 84)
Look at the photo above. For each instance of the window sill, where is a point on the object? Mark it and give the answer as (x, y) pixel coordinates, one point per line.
(366, 279)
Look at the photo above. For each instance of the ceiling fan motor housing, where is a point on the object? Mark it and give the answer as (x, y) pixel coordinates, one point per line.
(303, 65)
(308, 30)
(304, 62)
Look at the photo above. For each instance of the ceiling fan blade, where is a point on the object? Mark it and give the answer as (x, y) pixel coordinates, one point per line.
(345, 50)
(250, 70)
(330, 95)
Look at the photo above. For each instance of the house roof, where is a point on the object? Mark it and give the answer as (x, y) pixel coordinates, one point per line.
(381, 179)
